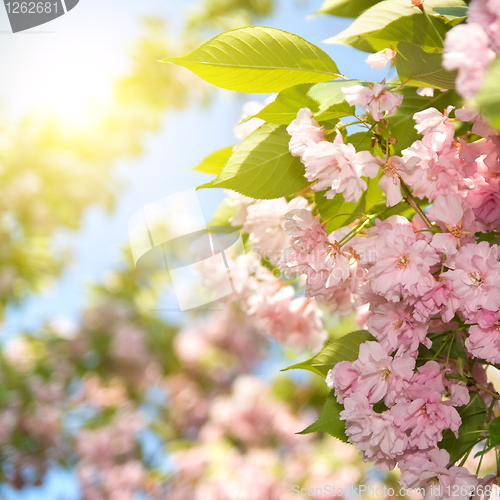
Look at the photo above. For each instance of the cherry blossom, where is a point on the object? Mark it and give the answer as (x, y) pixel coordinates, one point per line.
(338, 168)
(380, 101)
(380, 59)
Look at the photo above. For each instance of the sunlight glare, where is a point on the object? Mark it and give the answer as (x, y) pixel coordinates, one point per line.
(74, 93)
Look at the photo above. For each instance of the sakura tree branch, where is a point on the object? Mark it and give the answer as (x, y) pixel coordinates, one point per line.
(493, 394)
(413, 204)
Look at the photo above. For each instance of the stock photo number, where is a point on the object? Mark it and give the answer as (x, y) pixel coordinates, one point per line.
(31, 7)
(28, 14)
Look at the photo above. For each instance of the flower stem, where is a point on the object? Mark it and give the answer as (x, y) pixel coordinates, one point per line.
(495, 395)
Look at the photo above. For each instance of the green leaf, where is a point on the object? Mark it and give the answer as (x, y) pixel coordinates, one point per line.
(487, 100)
(494, 430)
(473, 416)
(345, 8)
(373, 193)
(337, 212)
(362, 141)
(456, 350)
(402, 123)
(262, 167)
(214, 162)
(258, 59)
(379, 16)
(329, 420)
(283, 110)
(331, 99)
(345, 348)
(454, 15)
(492, 237)
(414, 29)
(422, 69)
(326, 100)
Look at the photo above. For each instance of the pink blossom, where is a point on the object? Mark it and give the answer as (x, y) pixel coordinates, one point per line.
(380, 101)
(403, 267)
(425, 91)
(436, 126)
(475, 276)
(393, 325)
(265, 225)
(395, 170)
(429, 470)
(467, 49)
(380, 59)
(341, 378)
(338, 168)
(426, 417)
(486, 14)
(305, 131)
(484, 343)
(294, 321)
(373, 433)
(240, 204)
(326, 267)
(440, 299)
(448, 211)
(484, 200)
(378, 375)
(442, 169)
(428, 379)
(305, 231)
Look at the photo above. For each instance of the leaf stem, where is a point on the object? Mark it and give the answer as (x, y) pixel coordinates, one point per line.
(364, 121)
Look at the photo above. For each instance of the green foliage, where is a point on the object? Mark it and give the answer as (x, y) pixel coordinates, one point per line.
(345, 348)
(345, 8)
(227, 14)
(258, 59)
(414, 29)
(337, 212)
(329, 420)
(454, 15)
(379, 16)
(402, 124)
(214, 162)
(473, 416)
(494, 430)
(422, 69)
(326, 100)
(262, 167)
(487, 100)
(492, 237)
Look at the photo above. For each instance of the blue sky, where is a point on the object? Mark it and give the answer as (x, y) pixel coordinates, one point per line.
(97, 35)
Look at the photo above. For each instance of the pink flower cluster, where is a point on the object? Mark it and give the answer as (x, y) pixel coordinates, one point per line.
(420, 278)
(419, 406)
(335, 167)
(379, 101)
(331, 274)
(470, 48)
